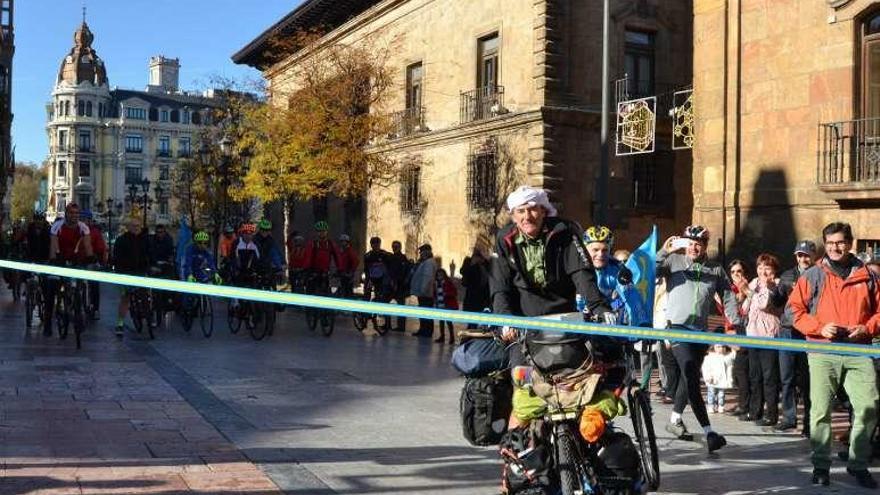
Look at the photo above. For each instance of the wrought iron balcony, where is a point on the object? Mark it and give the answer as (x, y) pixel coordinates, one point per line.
(849, 158)
(481, 103)
(408, 122)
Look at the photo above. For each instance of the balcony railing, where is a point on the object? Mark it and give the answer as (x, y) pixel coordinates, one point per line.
(163, 153)
(849, 153)
(481, 103)
(134, 150)
(408, 122)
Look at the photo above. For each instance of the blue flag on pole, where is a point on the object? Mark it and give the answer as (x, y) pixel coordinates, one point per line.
(184, 239)
(643, 265)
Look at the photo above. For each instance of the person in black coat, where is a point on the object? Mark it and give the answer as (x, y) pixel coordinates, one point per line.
(475, 279)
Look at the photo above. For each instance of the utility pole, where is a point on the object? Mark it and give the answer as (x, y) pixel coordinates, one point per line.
(602, 183)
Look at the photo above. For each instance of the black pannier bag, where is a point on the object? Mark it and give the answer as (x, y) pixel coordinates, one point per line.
(485, 406)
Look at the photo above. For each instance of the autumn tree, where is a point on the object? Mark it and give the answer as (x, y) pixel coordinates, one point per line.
(311, 137)
(26, 189)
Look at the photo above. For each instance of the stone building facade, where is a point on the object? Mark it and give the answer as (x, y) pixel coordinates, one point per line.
(788, 121)
(103, 140)
(497, 93)
(7, 51)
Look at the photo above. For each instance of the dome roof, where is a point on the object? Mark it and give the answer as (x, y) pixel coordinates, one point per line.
(82, 63)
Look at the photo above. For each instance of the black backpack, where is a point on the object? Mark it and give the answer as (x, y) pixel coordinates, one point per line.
(485, 406)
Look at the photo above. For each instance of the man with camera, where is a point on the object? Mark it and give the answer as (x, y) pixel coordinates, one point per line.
(693, 281)
(837, 300)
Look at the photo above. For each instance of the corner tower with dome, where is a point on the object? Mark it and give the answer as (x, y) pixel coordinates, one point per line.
(103, 140)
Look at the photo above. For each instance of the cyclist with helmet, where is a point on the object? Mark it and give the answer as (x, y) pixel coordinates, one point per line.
(271, 259)
(69, 242)
(131, 256)
(347, 264)
(614, 278)
(226, 243)
(322, 251)
(378, 277)
(693, 281)
(246, 255)
(297, 261)
(199, 264)
(162, 246)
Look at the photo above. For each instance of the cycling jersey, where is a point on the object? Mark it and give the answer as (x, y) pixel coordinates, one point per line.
(130, 254)
(622, 297)
(197, 263)
(348, 260)
(320, 253)
(99, 247)
(270, 255)
(70, 240)
(296, 256)
(38, 243)
(226, 245)
(162, 249)
(247, 256)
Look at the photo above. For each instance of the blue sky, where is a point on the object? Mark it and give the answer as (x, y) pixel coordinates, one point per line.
(202, 33)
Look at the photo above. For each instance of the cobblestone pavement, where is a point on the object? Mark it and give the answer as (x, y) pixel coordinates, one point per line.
(297, 413)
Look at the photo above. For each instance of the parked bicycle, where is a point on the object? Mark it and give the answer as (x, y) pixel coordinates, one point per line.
(141, 310)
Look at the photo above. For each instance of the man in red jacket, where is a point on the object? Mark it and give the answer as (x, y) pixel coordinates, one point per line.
(348, 263)
(837, 300)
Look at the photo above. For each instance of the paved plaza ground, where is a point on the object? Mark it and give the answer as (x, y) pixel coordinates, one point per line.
(297, 413)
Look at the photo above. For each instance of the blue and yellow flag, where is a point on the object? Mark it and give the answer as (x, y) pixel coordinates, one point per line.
(643, 265)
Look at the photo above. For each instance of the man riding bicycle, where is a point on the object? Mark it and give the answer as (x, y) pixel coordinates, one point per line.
(614, 279)
(130, 257)
(320, 253)
(297, 262)
(271, 260)
(377, 285)
(199, 265)
(348, 263)
(69, 243)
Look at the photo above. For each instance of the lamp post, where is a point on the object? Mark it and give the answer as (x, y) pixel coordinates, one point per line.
(160, 193)
(144, 197)
(110, 208)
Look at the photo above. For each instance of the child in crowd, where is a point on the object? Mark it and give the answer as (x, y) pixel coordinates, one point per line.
(718, 375)
(445, 297)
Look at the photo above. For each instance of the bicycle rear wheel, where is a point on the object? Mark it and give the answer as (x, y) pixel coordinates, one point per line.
(187, 312)
(206, 316)
(360, 321)
(311, 318)
(79, 317)
(640, 413)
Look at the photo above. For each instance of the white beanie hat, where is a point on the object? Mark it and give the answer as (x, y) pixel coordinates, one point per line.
(525, 195)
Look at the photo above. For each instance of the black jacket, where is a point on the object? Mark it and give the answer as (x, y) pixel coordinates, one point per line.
(131, 254)
(568, 272)
(475, 279)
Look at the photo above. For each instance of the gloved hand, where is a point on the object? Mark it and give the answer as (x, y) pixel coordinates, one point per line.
(610, 318)
(217, 279)
(191, 278)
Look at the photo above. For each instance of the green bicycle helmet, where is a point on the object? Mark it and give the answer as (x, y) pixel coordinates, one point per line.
(264, 224)
(201, 236)
(322, 226)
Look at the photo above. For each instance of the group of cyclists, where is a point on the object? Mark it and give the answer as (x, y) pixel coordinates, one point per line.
(246, 256)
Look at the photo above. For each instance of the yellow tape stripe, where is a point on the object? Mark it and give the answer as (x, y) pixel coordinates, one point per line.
(445, 314)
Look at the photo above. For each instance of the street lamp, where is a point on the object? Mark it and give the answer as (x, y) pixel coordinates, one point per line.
(110, 208)
(144, 197)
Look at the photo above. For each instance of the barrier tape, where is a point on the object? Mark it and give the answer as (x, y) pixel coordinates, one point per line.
(540, 324)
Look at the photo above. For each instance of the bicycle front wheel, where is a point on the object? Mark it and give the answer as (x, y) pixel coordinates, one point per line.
(232, 319)
(206, 316)
(640, 412)
(79, 318)
(29, 298)
(262, 320)
(62, 317)
(360, 321)
(569, 463)
(328, 322)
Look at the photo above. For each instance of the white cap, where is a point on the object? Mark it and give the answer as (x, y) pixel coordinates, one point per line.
(525, 195)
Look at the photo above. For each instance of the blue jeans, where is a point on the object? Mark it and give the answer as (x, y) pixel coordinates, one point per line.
(714, 395)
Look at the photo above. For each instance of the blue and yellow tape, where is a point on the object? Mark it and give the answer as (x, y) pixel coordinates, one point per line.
(448, 315)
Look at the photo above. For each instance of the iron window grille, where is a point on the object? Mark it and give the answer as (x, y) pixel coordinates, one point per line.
(410, 190)
(482, 179)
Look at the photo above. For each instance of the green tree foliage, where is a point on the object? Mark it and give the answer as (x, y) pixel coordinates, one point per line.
(312, 136)
(25, 190)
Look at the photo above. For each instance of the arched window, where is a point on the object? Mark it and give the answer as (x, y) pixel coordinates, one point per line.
(88, 109)
(870, 64)
(80, 108)
(67, 108)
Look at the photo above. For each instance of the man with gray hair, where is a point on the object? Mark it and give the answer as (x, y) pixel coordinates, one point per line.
(539, 264)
